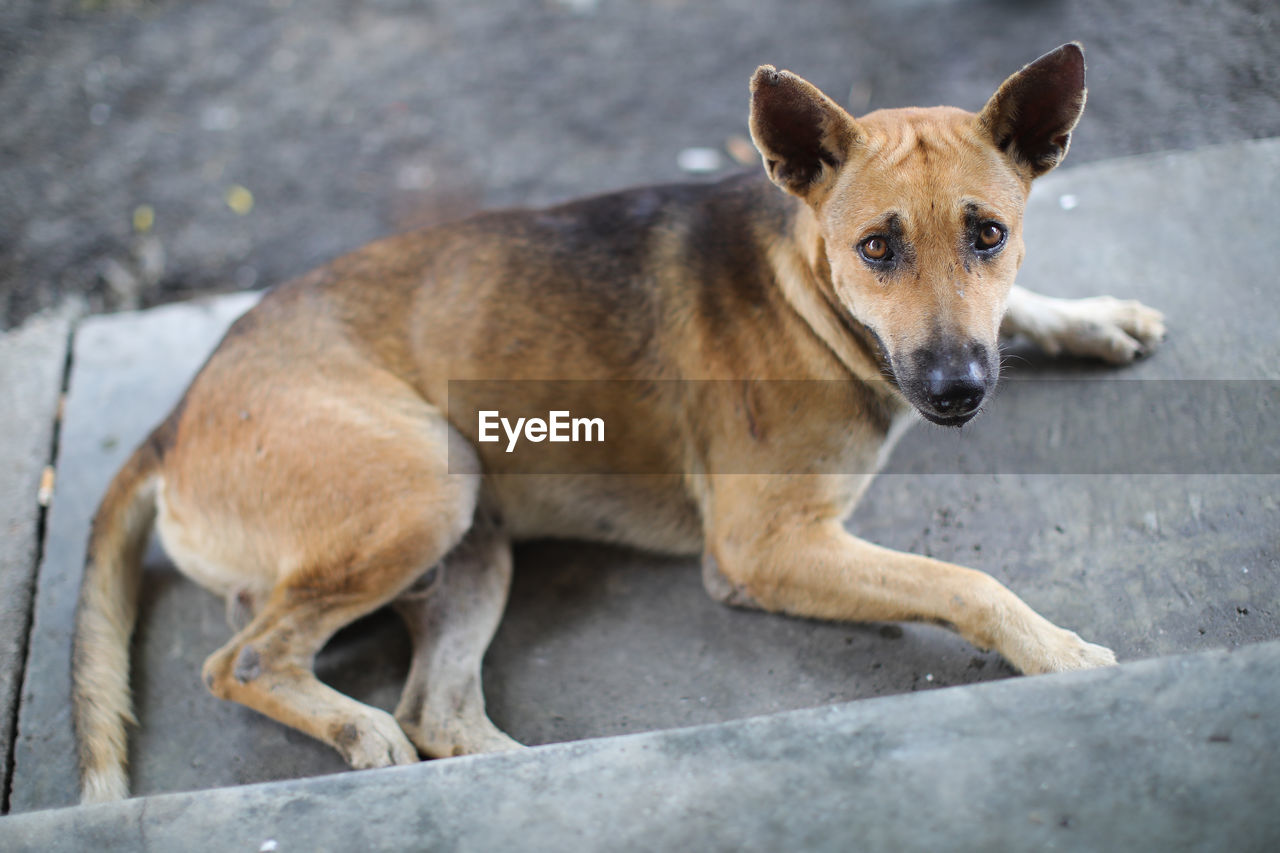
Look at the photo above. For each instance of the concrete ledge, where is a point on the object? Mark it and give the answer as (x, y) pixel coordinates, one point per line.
(32, 361)
(1170, 754)
(127, 369)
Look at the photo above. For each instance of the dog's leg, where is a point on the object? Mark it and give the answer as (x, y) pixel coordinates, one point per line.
(1104, 327)
(817, 569)
(268, 667)
(452, 614)
(373, 552)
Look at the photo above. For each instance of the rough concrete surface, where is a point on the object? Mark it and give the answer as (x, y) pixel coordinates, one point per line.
(600, 641)
(116, 388)
(1167, 755)
(32, 361)
(349, 119)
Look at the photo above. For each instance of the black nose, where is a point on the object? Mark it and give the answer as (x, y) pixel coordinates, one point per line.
(952, 380)
(956, 393)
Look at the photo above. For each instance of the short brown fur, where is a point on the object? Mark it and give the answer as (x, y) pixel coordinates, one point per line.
(311, 474)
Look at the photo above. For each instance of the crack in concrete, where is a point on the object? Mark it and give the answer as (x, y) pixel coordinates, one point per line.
(42, 518)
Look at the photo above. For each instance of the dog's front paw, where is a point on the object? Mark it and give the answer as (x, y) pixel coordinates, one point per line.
(1114, 330)
(1064, 652)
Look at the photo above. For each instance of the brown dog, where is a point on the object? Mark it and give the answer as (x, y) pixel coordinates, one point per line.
(318, 467)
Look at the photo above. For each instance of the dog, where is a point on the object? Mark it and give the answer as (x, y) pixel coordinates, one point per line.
(317, 468)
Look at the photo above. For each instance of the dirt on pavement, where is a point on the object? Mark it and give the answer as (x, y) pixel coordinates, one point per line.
(151, 150)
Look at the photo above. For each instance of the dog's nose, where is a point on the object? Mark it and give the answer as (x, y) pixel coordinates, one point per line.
(951, 380)
(956, 392)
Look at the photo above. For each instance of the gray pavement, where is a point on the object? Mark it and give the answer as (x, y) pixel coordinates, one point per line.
(601, 642)
(32, 361)
(350, 119)
(1175, 754)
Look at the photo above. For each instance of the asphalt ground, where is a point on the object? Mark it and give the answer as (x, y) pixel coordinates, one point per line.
(153, 150)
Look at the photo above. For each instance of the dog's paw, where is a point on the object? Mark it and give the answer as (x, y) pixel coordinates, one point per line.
(374, 740)
(1113, 330)
(1066, 651)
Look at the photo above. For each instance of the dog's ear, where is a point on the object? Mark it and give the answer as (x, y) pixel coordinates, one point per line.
(803, 135)
(1032, 115)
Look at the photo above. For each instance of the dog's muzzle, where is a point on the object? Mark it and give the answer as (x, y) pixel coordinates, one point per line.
(947, 384)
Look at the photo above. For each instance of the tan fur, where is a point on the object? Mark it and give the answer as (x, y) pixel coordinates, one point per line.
(319, 468)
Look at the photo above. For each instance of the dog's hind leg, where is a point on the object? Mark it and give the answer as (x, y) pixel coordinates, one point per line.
(1103, 327)
(452, 614)
(267, 666)
(373, 522)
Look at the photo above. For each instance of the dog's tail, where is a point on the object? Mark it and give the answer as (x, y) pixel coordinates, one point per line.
(100, 699)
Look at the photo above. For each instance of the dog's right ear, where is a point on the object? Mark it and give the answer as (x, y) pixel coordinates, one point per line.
(803, 135)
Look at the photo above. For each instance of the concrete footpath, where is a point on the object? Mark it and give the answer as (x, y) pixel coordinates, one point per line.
(1166, 755)
(1169, 551)
(32, 362)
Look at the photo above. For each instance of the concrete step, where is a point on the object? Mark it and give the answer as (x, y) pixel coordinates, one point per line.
(32, 361)
(1171, 754)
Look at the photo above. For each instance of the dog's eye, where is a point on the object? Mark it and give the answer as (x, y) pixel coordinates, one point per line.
(876, 250)
(990, 236)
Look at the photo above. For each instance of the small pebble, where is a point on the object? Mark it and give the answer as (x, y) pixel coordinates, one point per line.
(239, 199)
(47, 479)
(1068, 201)
(144, 216)
(699, 160)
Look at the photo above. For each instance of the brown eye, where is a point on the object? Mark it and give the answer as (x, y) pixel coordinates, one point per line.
(875, 249)
(990, 236)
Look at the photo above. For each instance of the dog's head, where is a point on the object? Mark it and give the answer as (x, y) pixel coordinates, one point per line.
(919, 213)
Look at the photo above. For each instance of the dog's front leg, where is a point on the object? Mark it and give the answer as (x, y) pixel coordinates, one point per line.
(817, 569)
(1103, 327)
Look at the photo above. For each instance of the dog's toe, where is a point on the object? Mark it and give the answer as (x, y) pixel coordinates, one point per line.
(1146, 324)
(1091, 656)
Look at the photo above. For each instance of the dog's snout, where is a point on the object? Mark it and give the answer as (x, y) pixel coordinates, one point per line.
(952, 381)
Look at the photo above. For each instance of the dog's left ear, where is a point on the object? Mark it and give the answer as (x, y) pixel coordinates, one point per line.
(1032, 115)
(803, 135)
